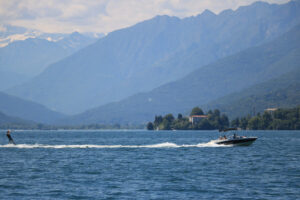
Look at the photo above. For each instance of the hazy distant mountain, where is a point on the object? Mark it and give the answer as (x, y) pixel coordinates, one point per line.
(76, 41)
(7, 120)
(9, 79)
(281, 92)
(10, 34)
(144, 56)
(24, 59)
(14, 106)
(231, 74)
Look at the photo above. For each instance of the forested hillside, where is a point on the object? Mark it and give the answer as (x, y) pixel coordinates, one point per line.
(283, 91)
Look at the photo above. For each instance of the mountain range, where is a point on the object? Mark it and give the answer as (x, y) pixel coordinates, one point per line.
(157, 51)
(23, 109)
(24, 59)
(235, 73)
(8, 120)
(10, 34)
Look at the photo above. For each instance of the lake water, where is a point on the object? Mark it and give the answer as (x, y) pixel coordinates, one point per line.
(148, 165)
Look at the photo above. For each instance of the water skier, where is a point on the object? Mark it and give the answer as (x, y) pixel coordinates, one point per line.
(10, 140)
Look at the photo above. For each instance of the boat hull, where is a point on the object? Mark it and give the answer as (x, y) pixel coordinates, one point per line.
(238, 142)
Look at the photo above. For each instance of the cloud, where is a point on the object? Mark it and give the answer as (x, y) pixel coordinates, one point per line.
(102, 15)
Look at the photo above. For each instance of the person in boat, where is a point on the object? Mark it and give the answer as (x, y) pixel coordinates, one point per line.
(10, 140)
(222, 137)
(234, 136)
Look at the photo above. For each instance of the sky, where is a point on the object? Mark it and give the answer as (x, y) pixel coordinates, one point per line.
(102, 16)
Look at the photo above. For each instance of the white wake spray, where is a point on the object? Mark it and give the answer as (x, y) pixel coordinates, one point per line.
(83, 146)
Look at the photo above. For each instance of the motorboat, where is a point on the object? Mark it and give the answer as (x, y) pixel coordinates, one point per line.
(235, 139)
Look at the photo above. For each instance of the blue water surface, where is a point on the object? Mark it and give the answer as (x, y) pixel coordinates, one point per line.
(148, 165)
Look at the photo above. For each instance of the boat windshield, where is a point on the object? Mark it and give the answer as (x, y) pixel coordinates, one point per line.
(230, 137)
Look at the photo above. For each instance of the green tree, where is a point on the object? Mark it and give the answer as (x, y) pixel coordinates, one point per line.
(254, 123)
(150, 126)
(204, 125)
(244, 122)
(179, 116)
(169, 117)
(158, 120)
(182, 124)
(235, 122)
(224, 122)
(281, 124)
(217, 113)
(279, 114)
(165, 125)
(197, 111)
(266, 120)
(297, 126)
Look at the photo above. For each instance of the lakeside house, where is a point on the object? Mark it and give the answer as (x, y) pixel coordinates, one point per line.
(197, 118)
(271, 110)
